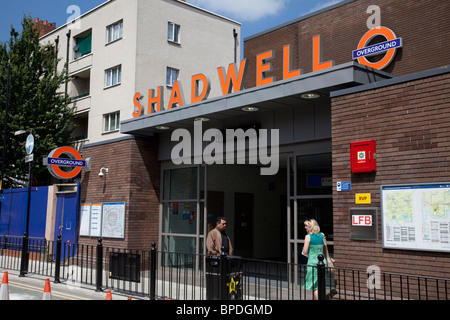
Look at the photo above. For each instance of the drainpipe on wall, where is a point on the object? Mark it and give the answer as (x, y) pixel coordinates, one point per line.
(235, 34)
(67, 60)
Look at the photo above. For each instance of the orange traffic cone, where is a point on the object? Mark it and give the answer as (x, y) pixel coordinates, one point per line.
(108, 295)
(4, 291)
(47, 291)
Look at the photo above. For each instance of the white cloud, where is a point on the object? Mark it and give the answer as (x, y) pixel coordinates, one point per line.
(242, 10)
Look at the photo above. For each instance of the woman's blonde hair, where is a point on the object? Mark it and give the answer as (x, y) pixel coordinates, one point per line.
(313, 226)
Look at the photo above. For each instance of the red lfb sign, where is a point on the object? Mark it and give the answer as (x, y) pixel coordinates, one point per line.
(363, 156)
(362, 220)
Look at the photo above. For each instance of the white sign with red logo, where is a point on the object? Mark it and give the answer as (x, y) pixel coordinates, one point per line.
(362, 220)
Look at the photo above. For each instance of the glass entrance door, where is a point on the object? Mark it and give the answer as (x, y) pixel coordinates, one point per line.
(310, 197)
(182, 210)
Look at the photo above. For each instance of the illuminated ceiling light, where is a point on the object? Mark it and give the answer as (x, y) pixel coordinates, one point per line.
(250, 109)
(162, 127)
(201, 119)
(310, 95)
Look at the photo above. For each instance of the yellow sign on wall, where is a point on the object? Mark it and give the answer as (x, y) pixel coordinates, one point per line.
(362, 198)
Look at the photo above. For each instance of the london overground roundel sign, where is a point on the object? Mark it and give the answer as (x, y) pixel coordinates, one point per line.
(389, 47)
(67, 167)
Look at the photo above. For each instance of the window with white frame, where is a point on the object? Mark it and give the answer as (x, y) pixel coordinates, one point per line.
(173, 32)
(114, 32)
(111, 121)
(171, 76)
(113, 76)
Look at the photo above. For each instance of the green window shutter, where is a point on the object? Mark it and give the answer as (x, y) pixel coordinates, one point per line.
(84, 44)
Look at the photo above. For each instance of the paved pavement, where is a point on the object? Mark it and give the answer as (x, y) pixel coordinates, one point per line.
(31, 287)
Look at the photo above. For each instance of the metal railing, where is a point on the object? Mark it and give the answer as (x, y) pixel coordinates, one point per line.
(164, 275)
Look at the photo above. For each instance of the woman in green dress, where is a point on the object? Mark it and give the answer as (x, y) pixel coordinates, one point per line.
(315, 243)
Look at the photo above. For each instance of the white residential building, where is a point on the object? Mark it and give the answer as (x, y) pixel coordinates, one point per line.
(123, 47)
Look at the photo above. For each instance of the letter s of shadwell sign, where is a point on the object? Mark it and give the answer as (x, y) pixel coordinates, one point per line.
(72, 161)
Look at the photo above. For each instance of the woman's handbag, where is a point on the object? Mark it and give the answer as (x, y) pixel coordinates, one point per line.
(330, 260)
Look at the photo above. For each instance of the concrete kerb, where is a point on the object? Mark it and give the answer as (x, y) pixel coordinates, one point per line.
(60, 291)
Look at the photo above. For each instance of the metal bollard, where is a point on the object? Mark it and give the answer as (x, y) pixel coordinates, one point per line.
(58, 259)
(321, 277)
(153, 272)
(223, 275)
(24, 259)
(99, 265)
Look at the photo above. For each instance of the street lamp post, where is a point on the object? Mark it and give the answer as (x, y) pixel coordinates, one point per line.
(5, 131)
(29, 158)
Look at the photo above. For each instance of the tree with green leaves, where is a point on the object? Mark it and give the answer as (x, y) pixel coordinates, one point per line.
(36, 103)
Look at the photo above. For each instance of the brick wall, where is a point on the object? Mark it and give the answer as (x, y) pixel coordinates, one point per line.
(423, 25)
(411, 125)
(408, 120)
(43, 26)
(134, 178)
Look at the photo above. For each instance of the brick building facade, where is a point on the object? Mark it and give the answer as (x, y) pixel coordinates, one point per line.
(406, 115)
(133, 177)
(402, 107)
(409, 120)
(421, 24)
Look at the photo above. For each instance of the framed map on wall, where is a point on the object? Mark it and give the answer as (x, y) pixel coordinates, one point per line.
(113, 220)
(416, 216)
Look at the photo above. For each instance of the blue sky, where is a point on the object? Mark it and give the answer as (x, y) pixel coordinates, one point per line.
(255, 15)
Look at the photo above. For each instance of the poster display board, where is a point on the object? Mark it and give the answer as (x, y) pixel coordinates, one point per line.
(416, 216)
(102, 220)
(85, 219)
(96, 220)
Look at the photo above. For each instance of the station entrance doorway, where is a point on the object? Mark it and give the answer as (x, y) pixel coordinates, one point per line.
(310, 197)
(265, 214)
(193, 197)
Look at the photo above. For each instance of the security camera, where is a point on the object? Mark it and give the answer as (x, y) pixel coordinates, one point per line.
(101, 174)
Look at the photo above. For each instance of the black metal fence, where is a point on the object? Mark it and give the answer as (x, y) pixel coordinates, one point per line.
(163, 275)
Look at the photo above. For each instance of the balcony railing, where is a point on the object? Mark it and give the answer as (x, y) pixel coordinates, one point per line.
(80, 64)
